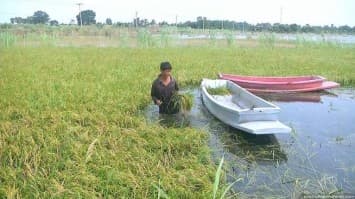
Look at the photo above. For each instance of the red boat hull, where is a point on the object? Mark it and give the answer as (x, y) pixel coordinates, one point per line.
(280, 84)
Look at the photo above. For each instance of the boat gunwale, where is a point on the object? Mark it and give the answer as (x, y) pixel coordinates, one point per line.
(311, 89)
(255, 110)
(318, 78)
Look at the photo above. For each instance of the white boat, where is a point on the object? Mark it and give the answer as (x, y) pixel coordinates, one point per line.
(242, 109)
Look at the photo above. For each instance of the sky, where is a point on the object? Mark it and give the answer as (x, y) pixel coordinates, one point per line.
(313, 12)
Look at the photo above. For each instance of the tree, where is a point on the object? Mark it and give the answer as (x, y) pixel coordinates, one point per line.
(87, 17)
(53, 23)
(201, 22)
(108, 21)
(18, 20)
(345, 29)
(307, 28)
(153, 22)
(29, 20)
(163, 23)
(40, 17)
(295, 28)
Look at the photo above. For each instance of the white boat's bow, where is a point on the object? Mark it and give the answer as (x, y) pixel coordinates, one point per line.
(264, 127)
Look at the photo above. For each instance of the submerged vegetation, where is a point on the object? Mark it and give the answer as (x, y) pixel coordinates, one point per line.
(70, 124)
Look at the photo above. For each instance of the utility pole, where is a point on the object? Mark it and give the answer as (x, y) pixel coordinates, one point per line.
(203, 24)
(176, 19)
(81, 20)
(281, 15)
(136, 20)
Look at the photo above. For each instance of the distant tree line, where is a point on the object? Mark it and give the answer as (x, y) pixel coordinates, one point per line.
(38, 17)
(87, 17)
(204, 23)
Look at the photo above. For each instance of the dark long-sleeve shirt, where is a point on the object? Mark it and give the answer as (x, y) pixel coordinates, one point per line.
(164, 93)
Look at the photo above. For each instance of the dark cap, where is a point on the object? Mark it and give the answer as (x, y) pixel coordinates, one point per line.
(165, 66)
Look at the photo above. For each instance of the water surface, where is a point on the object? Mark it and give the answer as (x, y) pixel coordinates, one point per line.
(316, 158)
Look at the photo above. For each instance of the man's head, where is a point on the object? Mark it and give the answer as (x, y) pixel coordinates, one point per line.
(165, 68)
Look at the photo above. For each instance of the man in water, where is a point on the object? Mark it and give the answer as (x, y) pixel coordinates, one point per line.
(163, 89)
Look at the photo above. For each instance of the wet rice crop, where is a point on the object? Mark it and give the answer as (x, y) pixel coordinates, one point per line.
(182, 101)
(69, 122)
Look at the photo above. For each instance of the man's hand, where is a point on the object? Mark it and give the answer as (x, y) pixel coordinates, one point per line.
(158, 102)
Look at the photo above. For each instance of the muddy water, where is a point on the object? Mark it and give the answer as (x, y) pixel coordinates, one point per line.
(318, 157)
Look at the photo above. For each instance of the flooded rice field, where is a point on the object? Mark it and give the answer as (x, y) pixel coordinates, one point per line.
(316, 158)
(337, 38)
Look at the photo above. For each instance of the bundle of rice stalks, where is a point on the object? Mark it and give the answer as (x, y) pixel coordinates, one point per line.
(182, 101)
(218, 91)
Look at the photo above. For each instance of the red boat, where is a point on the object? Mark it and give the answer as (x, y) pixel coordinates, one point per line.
(280, 84)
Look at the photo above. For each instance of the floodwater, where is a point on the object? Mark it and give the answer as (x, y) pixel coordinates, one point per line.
(316, 158)
(337, 38)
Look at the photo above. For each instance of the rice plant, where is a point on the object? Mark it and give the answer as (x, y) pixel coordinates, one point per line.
(219, 91)
(124, 39)
(53, 109)
(230, 38)
(212, 38)
(166, 38)
(182, 101)
(267, 40)
(145, 38)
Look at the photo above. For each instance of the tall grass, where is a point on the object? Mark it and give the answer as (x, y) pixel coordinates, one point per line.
(124, 39)
(7, 39)
(213, 38)
(230, 38)
(267, 40)
(146, 39)
(167, 37)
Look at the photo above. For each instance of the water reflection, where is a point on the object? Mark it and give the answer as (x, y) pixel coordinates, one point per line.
(295, 97)
(260, 149)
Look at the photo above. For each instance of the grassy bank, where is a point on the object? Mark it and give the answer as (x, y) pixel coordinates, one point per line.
(70, 123)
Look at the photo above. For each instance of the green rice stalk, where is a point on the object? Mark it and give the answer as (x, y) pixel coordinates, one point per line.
(218, 91)
(218, 176)
(161, 192)
(182, 101)
(229, 187)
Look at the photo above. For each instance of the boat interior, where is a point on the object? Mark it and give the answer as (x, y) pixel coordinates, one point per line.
(240, 99)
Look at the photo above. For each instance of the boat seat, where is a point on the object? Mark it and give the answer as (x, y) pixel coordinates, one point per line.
(242, 104)
(229, 100)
